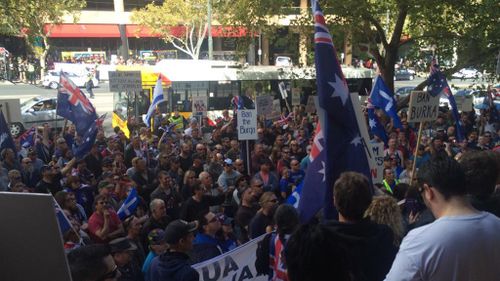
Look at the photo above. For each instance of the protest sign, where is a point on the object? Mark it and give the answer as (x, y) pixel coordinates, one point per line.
(276, 113)
(283, 92)
(310, 108)
(464, 103)
(247, 124)
(377, 161)
(423, 107)
(264, 105)
(238, 264)
(295, 96)
(125, 81)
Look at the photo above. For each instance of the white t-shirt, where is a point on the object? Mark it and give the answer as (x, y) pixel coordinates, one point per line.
(457, 248)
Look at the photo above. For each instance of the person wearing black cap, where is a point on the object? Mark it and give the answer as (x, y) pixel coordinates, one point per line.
(174, 265)
(122, 252)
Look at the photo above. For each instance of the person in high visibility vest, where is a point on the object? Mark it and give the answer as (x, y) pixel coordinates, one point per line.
(178, 120)
(390, 180)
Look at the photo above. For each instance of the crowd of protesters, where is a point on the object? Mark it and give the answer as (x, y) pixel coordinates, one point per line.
(199, 199)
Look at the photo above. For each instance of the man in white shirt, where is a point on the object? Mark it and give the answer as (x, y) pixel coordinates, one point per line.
(462, 244)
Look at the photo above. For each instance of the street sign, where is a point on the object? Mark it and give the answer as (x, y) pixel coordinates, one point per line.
(125, 81)
(247, 124)
(423, 107)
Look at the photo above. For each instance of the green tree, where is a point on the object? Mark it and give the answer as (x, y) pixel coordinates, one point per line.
(35, 20)
(165, 20)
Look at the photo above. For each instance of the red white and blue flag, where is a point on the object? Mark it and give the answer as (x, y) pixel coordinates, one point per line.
(437, 84)
(376, 128)
(27, 139)
(343, 147)
(73, 105)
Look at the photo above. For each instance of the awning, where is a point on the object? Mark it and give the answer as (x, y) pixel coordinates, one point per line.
(132, 30)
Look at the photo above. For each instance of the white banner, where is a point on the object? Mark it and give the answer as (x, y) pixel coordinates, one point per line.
(237, 264)
(265, 105)
(423, 107)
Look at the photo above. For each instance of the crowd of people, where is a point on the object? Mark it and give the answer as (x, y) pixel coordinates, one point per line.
(198, 199)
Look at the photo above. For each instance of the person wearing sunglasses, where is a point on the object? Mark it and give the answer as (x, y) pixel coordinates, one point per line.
(262, 222)
(206, 245)
(92, 263)
(104, 224)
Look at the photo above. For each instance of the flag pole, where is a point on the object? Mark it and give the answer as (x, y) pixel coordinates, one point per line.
(414, 165)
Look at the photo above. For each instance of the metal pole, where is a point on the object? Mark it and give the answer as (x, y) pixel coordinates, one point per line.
(249, 161)
(209, 27)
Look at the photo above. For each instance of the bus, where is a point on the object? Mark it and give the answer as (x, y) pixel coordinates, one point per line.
(219, 82)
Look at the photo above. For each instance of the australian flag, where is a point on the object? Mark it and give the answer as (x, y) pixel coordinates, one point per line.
(344, 147)
(73, 105)
(88, 139)
(129, 205)
(6, 140)
(27, 139)
(383, 98)
(376, 128)
(437, 84)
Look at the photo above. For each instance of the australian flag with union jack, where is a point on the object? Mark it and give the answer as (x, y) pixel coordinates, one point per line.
(344, 148)
(73, 105)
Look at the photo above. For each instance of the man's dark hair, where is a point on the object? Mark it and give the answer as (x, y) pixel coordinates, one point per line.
(444, 174)
(352, 195)
(481, 169)
(314, 252)
(286, 218)
(87, 262)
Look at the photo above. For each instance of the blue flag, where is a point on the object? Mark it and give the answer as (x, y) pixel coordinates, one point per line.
(383, 98)
(437, 84)
(294, 198)
(376, 128)
(27, 139)
(73, 105)
(62, 220)
(129, 205)
(6, 140)
(157, 98)
(344, 146)
(88, 139)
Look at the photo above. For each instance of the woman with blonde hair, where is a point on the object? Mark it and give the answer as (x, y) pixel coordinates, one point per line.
(385, 210)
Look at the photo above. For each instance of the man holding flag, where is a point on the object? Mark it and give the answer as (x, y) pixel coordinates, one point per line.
(344, 147)
(383, 98)
(157, 99)
(437, 84)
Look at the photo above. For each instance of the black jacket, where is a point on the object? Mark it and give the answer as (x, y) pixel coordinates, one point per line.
(370, 246)
(172, 266)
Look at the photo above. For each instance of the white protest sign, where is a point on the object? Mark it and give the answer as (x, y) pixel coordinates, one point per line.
(276, 113)
(295, 96)
(310, 108)
(264, 105)
(282, 87)
(423, 107)
(247, 124)
(237, 264)
(377, 161)
(464, 103)
(200, 105)
(125, 81)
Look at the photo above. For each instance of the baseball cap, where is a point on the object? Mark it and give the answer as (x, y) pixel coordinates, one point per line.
(228, 161)
(178, 229)
(156, 236)
(121, 244)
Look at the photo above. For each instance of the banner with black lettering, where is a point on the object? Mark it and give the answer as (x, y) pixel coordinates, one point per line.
(235, 265)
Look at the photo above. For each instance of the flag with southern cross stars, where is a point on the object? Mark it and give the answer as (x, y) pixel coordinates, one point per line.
(437, 84)
(88, 139)
(344, 146)
(6, 140)
(383, 98)
(376, 128)
(73, 105)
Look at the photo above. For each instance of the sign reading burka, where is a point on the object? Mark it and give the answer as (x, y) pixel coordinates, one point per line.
(238, 264)
(423, 107)
(247, 124)
(125, 81)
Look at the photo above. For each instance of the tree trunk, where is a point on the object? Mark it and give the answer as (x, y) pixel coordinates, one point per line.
(391, 55)
(43, 56)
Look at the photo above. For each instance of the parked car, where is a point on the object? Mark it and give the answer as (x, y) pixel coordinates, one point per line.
(403, 91)
(467, 73)
(51, 80)
(283, 61)
(403, 74)
(36, 112)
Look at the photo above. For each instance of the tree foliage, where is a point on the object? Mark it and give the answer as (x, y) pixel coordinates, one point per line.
(183, 23)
